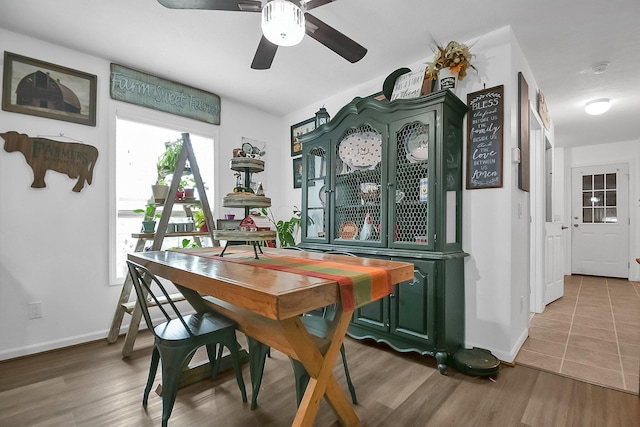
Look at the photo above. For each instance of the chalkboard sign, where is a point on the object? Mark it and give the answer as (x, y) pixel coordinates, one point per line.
(484, 149)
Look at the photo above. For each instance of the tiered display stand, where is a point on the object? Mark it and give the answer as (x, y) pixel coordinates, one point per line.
(246, 200)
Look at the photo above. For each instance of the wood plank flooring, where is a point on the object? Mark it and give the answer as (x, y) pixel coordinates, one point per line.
(91, 385)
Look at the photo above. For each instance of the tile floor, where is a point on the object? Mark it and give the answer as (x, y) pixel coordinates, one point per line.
(591, 334)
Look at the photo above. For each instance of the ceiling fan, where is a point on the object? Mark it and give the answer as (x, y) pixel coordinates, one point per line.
(315, 28)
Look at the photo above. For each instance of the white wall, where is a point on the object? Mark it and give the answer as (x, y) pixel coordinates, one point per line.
(53, 242)
(602, 154)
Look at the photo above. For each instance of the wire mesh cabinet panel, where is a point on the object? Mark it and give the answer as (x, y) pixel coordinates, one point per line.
(411, 219)
(359, 167)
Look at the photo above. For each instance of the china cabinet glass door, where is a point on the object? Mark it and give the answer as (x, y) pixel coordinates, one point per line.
(410, 204)
(359, 188)
(315, 191)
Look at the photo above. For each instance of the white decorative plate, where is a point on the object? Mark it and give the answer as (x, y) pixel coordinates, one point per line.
(348, 230)
(418, 145)
(361, 150)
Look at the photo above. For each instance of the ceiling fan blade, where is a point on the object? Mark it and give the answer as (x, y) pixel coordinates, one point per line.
(232, 5)
(312, 4)
(264, 55)
(334, 39)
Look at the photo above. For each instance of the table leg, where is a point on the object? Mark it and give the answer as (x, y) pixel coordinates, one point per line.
(322, 383)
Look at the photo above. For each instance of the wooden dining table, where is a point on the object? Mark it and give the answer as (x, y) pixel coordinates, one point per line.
(266, 298)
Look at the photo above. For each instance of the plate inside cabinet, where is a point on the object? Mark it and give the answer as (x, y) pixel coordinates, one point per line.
(417, 144)
(361, 150)
(323, 196)
(348, 230)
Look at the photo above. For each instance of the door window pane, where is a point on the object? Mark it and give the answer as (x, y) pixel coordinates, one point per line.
(611, 181)
(598, 215)
(598, 182)
(598, 198)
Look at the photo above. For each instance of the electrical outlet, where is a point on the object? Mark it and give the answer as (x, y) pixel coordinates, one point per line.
(35, 309)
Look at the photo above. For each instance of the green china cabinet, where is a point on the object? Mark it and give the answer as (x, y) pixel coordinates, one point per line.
(384, 180)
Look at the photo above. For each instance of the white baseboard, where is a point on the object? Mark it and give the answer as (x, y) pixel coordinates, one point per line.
(51, 345)
(27, 350)
(505, 356)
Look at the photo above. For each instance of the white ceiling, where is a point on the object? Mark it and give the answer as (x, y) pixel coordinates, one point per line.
(213, 50)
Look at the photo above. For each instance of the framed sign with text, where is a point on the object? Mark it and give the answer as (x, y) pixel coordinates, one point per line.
(136, 87)
(485, 133)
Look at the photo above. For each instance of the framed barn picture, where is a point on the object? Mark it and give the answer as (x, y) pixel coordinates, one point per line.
(43, 89)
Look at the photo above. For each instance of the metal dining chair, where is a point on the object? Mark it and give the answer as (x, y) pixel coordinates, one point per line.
(317, 324)
(178, 338)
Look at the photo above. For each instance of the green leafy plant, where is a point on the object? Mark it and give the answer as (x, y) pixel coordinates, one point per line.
(188, 182)
(286, 230)
(198, 218)
(168, 160)
(149, 212)
(187, 243)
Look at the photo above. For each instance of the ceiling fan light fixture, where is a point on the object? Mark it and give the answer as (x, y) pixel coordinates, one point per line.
(283, 23)
(597, 106)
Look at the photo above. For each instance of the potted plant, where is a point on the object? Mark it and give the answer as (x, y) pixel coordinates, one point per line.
(286, 230)
(167, 161)
(160, 190)
(199, 220)
(150, 215)
(188, 184)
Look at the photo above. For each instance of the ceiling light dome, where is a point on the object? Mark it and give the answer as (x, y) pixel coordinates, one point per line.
(282, 23)
(597, 106)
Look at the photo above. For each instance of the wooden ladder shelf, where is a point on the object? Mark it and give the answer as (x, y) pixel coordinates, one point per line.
(131, 307)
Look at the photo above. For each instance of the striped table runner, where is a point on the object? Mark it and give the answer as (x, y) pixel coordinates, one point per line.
(359, 285)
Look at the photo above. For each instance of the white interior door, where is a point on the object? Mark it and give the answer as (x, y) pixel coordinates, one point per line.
(554, 268)
(537, 208)
(600, 220)
(547, 253)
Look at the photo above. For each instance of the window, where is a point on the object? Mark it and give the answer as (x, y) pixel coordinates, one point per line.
(138, 147)
(599, 198)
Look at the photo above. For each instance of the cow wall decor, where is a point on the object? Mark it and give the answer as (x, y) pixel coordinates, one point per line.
(71, 158)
